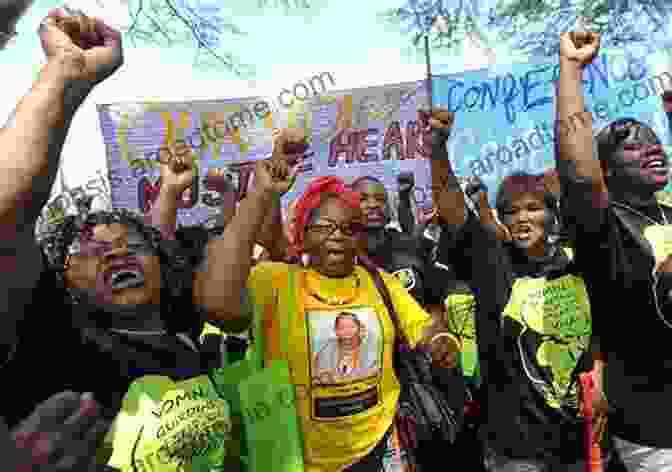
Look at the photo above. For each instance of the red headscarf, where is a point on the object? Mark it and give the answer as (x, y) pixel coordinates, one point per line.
(312, 198)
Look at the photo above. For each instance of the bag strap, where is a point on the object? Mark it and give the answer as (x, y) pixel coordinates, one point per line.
(378, 281)
(257, 348)
(291, 308)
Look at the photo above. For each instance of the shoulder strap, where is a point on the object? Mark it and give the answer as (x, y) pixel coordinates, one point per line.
(387, 300)
(291, 307)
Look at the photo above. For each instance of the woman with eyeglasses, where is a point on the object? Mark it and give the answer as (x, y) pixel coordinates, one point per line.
(341, 336)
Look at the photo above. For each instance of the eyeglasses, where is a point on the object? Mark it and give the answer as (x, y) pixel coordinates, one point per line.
(349, 229)
(100, 248)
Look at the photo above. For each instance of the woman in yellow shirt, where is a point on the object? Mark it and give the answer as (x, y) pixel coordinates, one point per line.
(341, 336)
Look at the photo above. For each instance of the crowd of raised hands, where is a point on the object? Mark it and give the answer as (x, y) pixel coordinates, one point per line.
(64, 432)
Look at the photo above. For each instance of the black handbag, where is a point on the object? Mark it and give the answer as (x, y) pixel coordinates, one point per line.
(431, 404)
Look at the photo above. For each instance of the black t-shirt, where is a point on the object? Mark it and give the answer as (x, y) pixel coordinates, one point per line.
(618, 260)
(410, 260)
(60, 349)
(526, 415)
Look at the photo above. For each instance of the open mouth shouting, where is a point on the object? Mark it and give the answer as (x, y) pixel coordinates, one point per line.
(124, 274)
(657, 162)
(375, 217)
(523, 233)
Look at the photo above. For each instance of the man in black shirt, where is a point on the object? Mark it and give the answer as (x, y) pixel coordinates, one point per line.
(621, 235)
(405, 256)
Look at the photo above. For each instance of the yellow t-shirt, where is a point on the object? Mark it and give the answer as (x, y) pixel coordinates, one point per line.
(340, 357)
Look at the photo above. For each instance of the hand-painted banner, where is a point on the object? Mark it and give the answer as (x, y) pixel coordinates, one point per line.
(378, 131)
(505, 123)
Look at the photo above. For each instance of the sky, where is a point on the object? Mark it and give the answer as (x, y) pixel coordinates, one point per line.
(342, 37)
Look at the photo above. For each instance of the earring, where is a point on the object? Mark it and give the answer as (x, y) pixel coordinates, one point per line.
(305, 259)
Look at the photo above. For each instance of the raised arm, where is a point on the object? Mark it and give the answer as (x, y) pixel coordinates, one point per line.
(31, 143)
(217, 180)
(219, 286)
(583, 188)
(446, 190)
(177, 174)
(406, 181)
(289, 144)
(667, 107)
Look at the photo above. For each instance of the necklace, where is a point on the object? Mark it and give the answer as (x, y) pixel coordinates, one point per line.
(636, 212)
(334, 301)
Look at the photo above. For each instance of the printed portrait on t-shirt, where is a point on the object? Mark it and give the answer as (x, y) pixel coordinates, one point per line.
(346, 346)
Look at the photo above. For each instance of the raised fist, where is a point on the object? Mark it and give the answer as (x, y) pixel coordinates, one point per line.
(177, 166)
(90, 50)
(274, 175)
(579, 47)
(667, 101)
(441, 123)
(289, 144)
(406, 181)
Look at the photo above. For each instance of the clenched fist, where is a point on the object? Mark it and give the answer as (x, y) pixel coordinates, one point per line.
(406, 181)
(579, 47)
(289, 144)
(86, 48)
(441, 123)
(444, 349)
(274, 175)
(177, 166)
(667, 101)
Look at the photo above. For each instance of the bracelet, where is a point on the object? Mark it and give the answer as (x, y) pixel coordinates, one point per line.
(439, 336)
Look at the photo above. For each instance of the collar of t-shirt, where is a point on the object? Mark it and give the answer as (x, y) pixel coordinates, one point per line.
(135, 321)
(524, 266)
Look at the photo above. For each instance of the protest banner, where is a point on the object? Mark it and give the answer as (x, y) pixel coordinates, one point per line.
(374, 131)
(505, 122)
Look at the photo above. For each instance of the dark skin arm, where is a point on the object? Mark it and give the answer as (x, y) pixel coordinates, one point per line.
(30, 148)
(575, 161)
(406, 183)
(177, 174)
(601, 407)
(440, 343)
(446, 191)
(575, 158)
(288, 145)
(219, 285)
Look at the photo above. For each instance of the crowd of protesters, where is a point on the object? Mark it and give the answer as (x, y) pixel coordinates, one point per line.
(521, 315)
